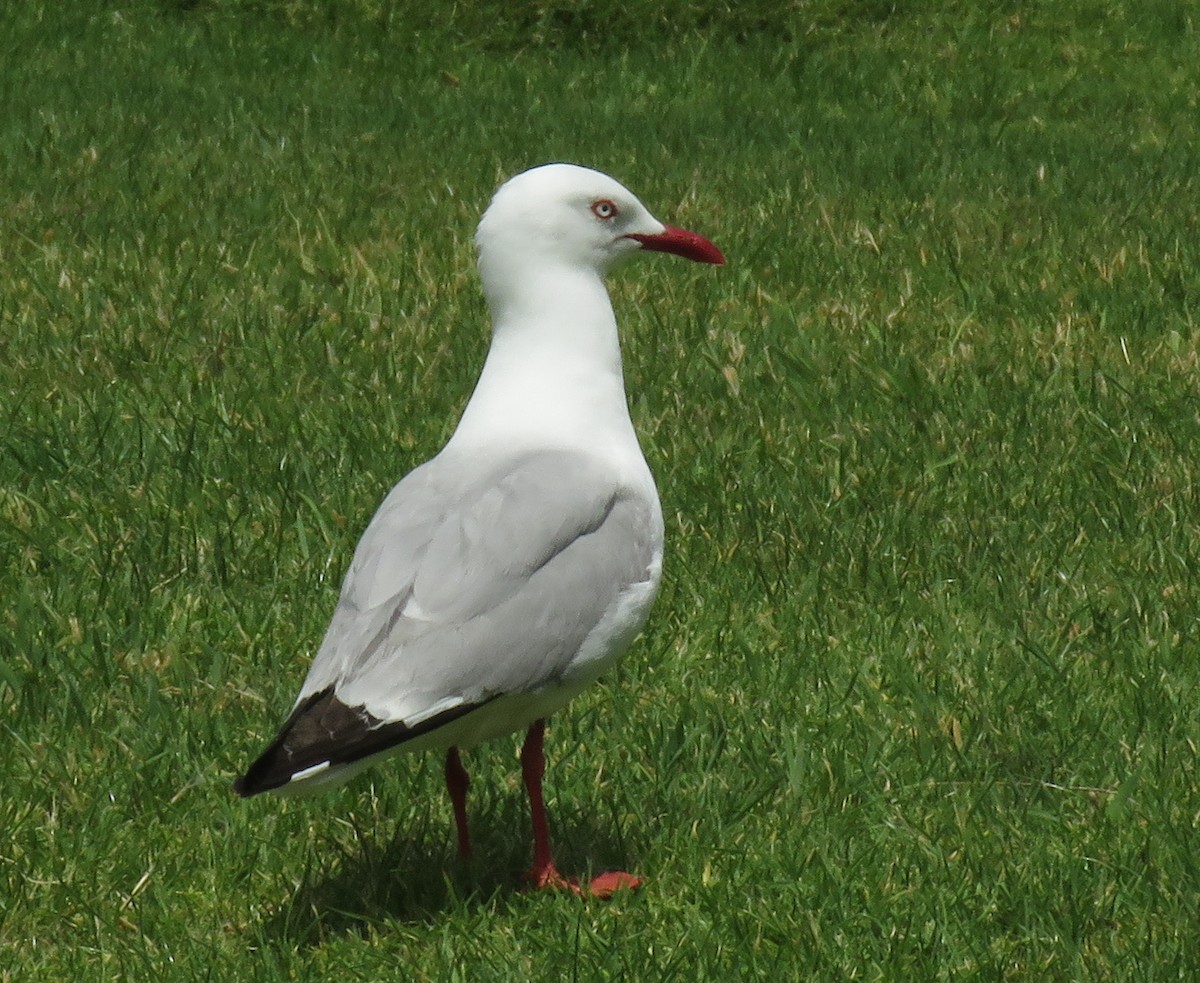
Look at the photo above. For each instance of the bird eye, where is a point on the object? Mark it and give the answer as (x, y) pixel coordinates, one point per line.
(604, 209)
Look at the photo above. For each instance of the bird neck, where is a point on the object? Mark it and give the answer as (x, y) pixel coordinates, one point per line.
(553, 373)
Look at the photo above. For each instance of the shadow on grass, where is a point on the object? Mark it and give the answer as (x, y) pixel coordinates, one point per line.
(418, 876)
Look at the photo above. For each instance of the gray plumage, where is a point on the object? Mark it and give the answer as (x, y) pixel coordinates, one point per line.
(471, 583)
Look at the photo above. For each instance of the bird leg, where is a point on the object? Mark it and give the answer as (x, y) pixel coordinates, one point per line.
(457, 783)
(533, 765)
(543, 873)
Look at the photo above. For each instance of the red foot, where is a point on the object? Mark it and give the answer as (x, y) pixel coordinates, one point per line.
(602, 886)
(610, 882)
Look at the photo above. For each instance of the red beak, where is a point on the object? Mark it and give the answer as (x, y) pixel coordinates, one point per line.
(689, 245)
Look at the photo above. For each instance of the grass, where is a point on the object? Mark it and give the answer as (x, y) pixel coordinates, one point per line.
(918, 698)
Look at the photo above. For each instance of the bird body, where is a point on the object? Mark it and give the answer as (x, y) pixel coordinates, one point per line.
(507, 573)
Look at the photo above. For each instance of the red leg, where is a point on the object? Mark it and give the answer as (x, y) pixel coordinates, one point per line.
(543, 873)
(457, 782)
(533, 765)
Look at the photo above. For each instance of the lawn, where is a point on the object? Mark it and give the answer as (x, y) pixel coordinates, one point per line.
(918, 700)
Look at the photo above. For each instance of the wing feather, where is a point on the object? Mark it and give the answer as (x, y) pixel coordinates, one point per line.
(468, 589)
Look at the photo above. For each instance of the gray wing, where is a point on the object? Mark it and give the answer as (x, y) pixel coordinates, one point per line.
(468, 585)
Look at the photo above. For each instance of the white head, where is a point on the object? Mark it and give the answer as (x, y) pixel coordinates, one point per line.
(563, 215)
(553, 372)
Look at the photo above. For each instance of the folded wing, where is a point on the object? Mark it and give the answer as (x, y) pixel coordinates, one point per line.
(469, 584)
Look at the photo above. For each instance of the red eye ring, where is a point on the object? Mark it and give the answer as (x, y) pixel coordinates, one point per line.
(604, 209)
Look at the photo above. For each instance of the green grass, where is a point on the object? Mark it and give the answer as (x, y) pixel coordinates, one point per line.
(918, 700)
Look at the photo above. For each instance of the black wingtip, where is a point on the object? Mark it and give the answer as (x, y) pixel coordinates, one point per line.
(323, 730)
(288, 753)
(271, 770)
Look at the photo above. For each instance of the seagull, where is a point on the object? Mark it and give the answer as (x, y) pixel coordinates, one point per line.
(504, 575)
